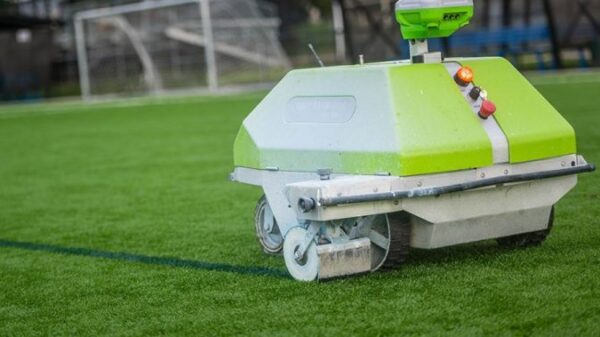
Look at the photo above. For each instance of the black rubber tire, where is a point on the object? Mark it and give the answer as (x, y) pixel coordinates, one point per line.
(400, 233)
(528, 239)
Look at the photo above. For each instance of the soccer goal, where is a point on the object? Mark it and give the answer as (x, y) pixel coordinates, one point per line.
(167, 45)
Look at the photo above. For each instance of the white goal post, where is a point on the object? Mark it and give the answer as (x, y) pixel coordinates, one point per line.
(165, 45)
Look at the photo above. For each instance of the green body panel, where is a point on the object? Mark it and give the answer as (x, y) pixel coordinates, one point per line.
(246, 154)
(437, 131)
(429, 125)
(426, 23)
(245, 151)
(258, 145)
(535, 130)
(409, 119)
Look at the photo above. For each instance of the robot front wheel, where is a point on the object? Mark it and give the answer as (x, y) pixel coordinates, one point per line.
(388, 245)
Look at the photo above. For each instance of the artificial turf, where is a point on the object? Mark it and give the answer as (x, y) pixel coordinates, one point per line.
(117, 219)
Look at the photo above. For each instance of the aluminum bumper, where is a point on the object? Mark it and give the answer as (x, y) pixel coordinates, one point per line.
(446, 209)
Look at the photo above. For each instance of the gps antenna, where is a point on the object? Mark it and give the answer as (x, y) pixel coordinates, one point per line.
(312, 49)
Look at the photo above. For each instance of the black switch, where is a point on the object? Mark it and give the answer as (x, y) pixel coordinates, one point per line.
(475, 93)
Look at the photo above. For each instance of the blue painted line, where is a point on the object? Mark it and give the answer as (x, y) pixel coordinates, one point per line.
(146, 259)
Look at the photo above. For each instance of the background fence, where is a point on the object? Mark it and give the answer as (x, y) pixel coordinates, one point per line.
(159, 46)
(153, 47)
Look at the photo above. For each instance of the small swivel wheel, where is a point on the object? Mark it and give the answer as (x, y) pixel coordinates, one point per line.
(267, 231)
(527, 239)
(302, 267)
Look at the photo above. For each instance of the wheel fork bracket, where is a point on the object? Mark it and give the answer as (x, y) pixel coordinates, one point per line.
(311, 233)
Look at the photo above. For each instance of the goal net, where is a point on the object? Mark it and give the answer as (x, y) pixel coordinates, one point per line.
(161, 46)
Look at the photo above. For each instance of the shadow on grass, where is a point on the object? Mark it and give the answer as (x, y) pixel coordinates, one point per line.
(484, 250)
(137, 258)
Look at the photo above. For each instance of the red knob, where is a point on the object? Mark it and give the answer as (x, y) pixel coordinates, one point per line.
(487, 109)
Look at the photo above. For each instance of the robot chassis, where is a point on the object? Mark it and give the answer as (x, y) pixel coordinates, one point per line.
(331, 216)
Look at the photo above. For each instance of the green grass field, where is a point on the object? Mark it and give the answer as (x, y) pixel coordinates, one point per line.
(117, 219)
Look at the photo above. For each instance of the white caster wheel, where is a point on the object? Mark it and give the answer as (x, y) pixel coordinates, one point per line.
(307, 267)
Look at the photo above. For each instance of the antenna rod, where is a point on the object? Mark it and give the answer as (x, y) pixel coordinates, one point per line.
(312, 49)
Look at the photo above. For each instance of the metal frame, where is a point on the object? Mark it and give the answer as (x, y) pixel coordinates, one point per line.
(454, 202)
(355, 195)
(424, 192)
(209, 50)
(82, 59)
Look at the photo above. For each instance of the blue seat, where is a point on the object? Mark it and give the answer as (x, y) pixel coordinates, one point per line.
(514, 38)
